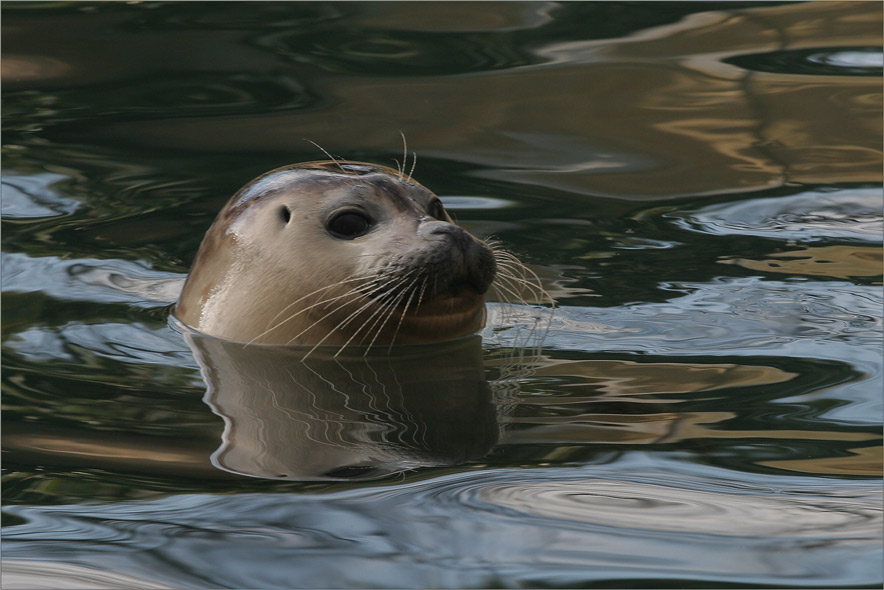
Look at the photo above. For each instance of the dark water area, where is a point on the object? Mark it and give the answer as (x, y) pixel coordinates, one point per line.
(699, 186)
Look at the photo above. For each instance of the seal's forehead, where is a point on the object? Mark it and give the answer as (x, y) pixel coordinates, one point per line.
(320, 174)
(349, 167)
(264, 185)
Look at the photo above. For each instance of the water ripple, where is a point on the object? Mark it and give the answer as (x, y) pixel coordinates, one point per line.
(31, 196)
(46, 574)
(853, 214)
(820, 320)
(89, 279)
(821, 61)
(646, 506)
(121, 342)
(732, 315)
(451, 531)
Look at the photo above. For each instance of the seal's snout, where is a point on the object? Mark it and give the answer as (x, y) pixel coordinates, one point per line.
(482, 267)
(432, 229)
(477, 264)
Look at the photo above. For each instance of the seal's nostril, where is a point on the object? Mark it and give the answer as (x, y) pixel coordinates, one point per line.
(458, 234)
(444, 228)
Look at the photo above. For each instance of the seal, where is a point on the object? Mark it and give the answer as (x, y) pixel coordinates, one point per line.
(337, 253)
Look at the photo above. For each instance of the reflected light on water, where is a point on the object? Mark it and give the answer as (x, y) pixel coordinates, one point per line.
(45, 575)
(641, 506)
(853, 214)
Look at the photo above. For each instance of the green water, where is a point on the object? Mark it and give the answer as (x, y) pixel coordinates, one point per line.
(697, 184)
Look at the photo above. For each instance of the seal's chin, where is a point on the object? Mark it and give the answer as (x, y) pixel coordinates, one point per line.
(450, 312)
(453, 313)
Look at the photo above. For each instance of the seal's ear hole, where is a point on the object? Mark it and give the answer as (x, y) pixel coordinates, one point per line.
(348, 225)
(285, 214)
(436, 210)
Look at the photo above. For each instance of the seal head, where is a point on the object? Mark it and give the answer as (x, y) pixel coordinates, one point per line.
(336, 253)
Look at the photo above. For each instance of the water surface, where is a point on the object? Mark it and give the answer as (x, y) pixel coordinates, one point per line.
(698, 185)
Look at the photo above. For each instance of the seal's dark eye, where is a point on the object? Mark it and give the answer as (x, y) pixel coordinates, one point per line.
(285, 214)
(436, 210)
(348, 225)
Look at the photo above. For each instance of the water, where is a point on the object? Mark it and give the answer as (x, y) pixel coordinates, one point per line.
(699, 185)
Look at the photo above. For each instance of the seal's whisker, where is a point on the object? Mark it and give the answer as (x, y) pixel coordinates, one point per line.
(367, 278)
(330, 157)
(512, 287)
(378, 315)
(413, 164)
(528, 277)
(371, 278)
(336, 309)
(402, 317)
(382, 302)
(549, 312)
(516, 284)
(392, 310)
(355, 314)
(522, 287)
(387, 308)
(420, 298)
(371, 281)
(390, 301)
(519, 269)
(377, 312)
(404, 154)
(508, 290)
(503, 254)
(506, 307)
(514, 278)
(340, 325)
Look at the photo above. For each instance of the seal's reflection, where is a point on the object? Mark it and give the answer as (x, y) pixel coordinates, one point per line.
(350, 417)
